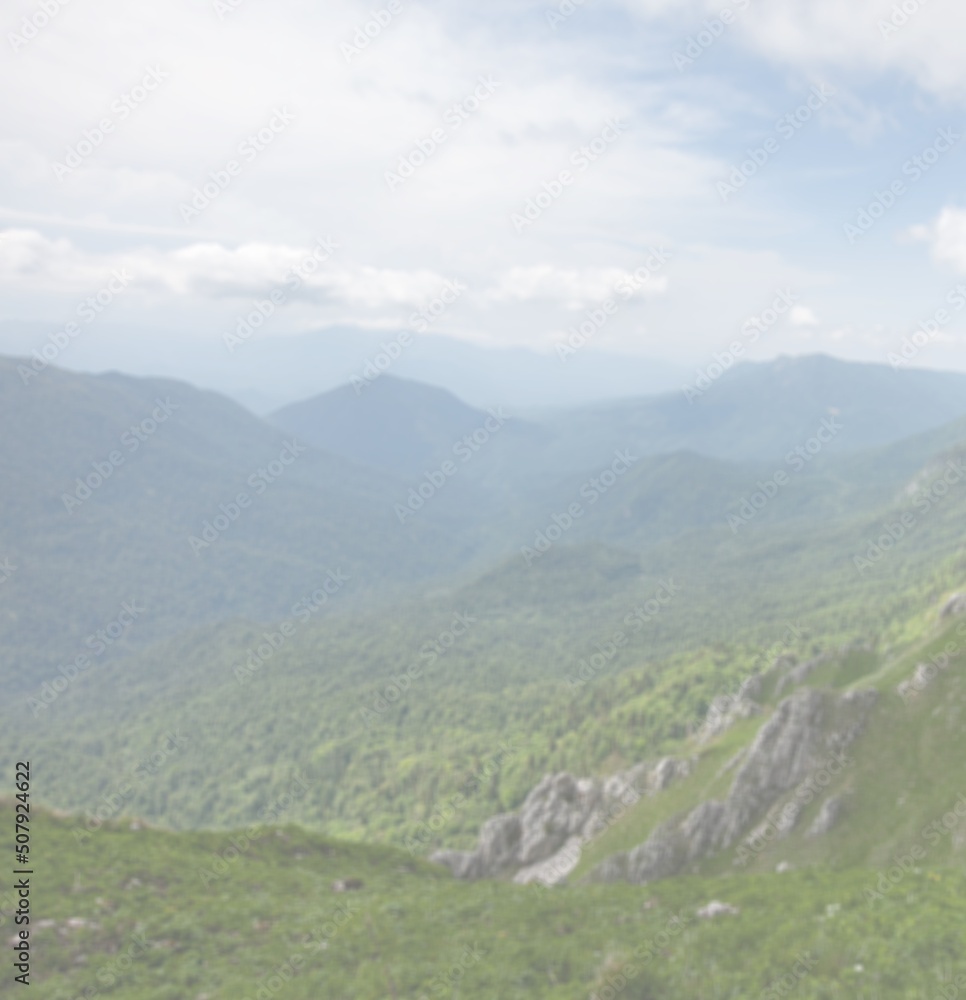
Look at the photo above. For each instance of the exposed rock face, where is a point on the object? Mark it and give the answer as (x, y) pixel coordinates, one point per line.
(807, 734)
(727, 709)
(922, 677)
(554, 869)
(828, 816)
(542, 841)
(956, 605)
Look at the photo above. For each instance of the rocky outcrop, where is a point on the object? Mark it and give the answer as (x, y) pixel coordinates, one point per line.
(727, 709)
(828, 815)
(807, 734)
(922, 677)
(956, 605)
(542, 841)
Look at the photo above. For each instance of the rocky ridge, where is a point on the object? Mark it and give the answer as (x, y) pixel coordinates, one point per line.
(795, 755)
(792, 759)
(542, 841)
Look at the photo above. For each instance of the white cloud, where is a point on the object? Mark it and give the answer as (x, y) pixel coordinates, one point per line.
(571, 287)
(858, 38)
(947, 237)
(29, 259)
(802, 316)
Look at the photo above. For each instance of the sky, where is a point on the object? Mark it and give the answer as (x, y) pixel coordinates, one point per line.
(639, 177)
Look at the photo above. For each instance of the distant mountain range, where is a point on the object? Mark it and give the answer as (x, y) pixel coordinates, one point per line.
(269, 372)
(119, 488)
(755, 412)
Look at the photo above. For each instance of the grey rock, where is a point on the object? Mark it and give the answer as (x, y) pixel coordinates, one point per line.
(717, 909)
(727, 709)
(956, 605)
(806, 730)
(554, 869)
(828, 815)
(542, 841)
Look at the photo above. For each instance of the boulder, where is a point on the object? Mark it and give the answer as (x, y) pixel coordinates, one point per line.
(828, 815)
(717, 909)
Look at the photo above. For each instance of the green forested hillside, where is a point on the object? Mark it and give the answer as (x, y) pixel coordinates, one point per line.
(118, 489)
(693, 615)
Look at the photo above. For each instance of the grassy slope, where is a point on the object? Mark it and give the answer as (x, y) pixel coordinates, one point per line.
(157, 932)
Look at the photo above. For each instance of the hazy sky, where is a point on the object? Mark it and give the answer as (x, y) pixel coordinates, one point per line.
(413, 158)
